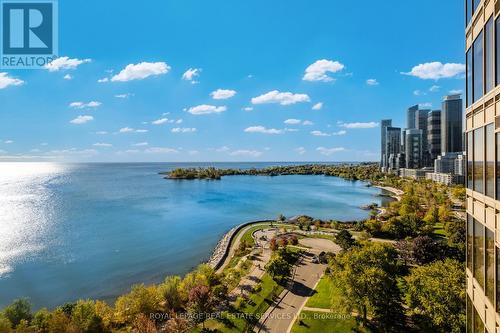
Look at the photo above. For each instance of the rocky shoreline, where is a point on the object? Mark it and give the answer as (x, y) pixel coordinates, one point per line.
(221, 248)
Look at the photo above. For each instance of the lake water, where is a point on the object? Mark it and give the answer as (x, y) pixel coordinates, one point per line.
(70, 231)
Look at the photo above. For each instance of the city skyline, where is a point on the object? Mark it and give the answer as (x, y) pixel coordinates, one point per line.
(117, 94)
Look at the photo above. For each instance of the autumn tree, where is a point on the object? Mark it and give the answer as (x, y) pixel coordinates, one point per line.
(435, 293)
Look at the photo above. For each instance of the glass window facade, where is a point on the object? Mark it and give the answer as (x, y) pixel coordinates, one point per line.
(468, 11)
(489, 62)
(490, 265)
(470, 160)
(498, 165)
(497, 48)
(477, 68)
(470, 238)
(490, 161)
(468, 82)
(478, 165)
(478, 253)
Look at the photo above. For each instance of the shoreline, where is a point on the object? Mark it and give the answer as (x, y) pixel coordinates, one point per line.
(396, 194)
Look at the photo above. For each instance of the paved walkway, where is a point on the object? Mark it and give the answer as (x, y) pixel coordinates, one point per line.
(281, 315)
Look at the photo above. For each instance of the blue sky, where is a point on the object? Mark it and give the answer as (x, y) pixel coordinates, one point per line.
(231, 80)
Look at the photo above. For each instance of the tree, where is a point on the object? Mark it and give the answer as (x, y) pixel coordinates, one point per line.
(201, 303)
(85, 318)
(142, 324)
(432, 215)
(5, 325)
(436, 292)
(278, 268)
(169, 290)
(281, 218)
(425, 250)
(141, 299)
(366, 277)
(345, 240)
(19, 310)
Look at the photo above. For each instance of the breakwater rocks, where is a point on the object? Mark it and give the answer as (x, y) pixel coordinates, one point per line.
(220, 251)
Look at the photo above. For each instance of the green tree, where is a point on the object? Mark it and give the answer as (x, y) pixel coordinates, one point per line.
(344, 239)
(432, 215)
(366, 277)
(169, 290)
(436, 292)
(85, 318)
(141, 299)
(5, 325)
(19, 310)
(278, 268)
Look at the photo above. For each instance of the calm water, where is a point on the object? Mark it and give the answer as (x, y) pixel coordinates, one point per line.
(70, 231)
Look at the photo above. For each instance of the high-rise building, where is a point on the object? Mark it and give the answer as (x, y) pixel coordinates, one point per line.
(421, 117)
(413, 146)
(483, 186)
(392, 144)
(434, 134)
(410, 117)
(383, 156)
(451, 124)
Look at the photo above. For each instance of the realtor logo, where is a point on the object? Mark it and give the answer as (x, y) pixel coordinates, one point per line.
(28, 33)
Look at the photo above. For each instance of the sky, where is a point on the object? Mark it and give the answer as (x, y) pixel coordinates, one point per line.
(260, 80)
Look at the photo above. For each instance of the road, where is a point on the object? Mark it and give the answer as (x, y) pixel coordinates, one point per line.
(280, 316)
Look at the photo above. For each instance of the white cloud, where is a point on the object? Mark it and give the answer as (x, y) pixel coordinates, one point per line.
(6, 81)
(436, 70)
(81, 120)
(103, 80)
(81, 105)
(126, 130)
(222, 149)
(434, 88)
(191, 74)
(102, 144)
(283, 98)
(183, 130)
(140, 144)
(319, 70)
(244, 152)
(161, 150)
(455, 92)
(141, 131)
(425, 105)
(141, 71)
(356, 125)
(319, 133)
(68, 77)
(307, 123)
(160, 121)
(101, 132)
(222, 93)
(301, 150)
(206, 109)
(293, 121)
(419, 93)
(339, 133)
(329, 151)
(193, 152)
(317, 106)
(8, 142)
(248, 108)
(179, 121)
(62, 63)
(372, 82)
(262, 129)
(127, 95)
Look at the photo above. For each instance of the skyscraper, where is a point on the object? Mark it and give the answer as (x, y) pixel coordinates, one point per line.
(483, 188)
(421, 124)
(451, 124)
(383, 156)
(413, 146)
(434, 134)
(410, 117)
(392, 144)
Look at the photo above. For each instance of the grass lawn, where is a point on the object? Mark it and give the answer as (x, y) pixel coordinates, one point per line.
(325, 294)
(319, 322)
(257, 304)
(439, 230)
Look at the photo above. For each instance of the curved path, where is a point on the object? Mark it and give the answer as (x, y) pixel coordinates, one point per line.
(236, 242)
(280, 316)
